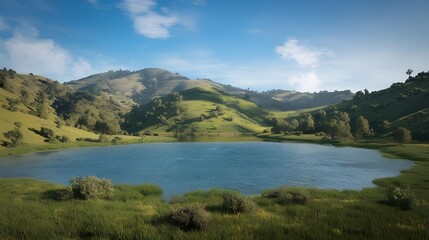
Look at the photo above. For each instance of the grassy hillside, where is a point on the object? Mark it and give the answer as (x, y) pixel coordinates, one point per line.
(401, 105)
(30, 103)
(283, 100)
(197, 111)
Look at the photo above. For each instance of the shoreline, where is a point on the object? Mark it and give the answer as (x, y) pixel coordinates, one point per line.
(387, 148)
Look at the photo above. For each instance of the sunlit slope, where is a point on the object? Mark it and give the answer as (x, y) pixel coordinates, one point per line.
(401, 105)
(200, 110)
(18, 97)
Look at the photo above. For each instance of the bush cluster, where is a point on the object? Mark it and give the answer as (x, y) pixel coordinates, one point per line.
(235, 203)
(191, 217)
(400, 195)
(90, 187)
(285, 196)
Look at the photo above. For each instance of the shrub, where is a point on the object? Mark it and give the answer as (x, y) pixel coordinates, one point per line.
(103, 138)
(47, 133)
(235, 203)
(400, 195)
(285, 196)
(15, 137)
(64, 139)
(191, 217)
(90, 187)
(18, 124)
(402, 135)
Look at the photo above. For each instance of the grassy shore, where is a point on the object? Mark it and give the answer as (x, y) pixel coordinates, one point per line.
(28, 210)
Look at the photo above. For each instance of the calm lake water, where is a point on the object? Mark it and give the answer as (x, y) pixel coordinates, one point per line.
(183, 167)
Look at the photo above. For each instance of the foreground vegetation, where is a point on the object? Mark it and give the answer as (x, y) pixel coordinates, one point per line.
(30, 209)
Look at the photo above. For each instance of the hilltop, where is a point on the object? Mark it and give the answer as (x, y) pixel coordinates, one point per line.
(139, 87)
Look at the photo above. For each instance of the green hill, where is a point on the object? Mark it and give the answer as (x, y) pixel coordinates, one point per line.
(25, 103)
(401, 105)
(197, 111)
(140, 87)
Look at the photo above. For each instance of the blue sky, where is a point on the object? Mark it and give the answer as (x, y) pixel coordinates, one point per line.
(273, 44)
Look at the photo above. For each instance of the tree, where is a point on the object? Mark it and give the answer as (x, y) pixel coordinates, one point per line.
(409, 71)
(366, 91)
(338, 129)
(293, 124)
(280, 126)
(402, 135)
(307, 124)
(15, 136)
(361, 128)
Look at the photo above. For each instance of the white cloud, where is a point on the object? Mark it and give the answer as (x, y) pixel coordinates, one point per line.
(305, 82)
(28, 53)
(147, 21)
(200, 2)
(153, 25)
(301, 53)
(136, 7)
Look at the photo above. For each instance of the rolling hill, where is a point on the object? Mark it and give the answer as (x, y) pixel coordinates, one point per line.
(401, 105)
(26, 103)
(139, 87)
(197, 111)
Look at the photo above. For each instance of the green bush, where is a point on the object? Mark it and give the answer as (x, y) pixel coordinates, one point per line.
(400, 195)
(402, 135)
(285, 196)
(191, 217)
(236, 203)
(103, 138)
(15, 137)
(90, 187)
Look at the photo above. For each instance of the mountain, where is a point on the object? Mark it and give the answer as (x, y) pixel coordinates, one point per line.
(139, 87)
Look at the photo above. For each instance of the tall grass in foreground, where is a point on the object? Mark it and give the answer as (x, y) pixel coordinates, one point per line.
(27, 211)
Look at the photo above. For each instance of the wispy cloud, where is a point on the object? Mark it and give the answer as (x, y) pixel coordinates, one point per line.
(306, 57)
(305, 82)
(199, 2)
(147, 21)
(3, 24)
(303, 54)
(26, 52)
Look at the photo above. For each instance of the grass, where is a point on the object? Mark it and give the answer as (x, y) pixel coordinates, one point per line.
(139, 212)
(53, 146)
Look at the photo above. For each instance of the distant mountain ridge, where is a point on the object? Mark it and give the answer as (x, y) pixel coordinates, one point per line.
(139, 87)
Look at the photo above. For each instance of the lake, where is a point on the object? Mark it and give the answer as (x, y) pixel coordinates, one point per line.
(249, 167)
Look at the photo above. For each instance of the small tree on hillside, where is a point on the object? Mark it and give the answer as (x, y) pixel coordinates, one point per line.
(15, 136)
(408, 72)
(402, 135)
(361, 128)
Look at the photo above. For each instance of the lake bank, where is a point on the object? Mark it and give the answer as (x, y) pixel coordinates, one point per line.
(180, 167)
